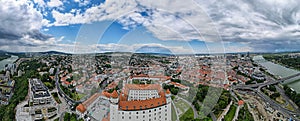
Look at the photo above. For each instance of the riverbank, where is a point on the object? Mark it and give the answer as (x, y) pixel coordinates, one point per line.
(2, 57)
(10, 60)
(280, 71)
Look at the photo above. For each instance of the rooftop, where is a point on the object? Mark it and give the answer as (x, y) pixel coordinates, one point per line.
(125, 104)
(38, 88)
(81, 108)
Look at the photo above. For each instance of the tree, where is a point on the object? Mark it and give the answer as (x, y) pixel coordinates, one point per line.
(272, 88)
(176, 80)
(175, 90)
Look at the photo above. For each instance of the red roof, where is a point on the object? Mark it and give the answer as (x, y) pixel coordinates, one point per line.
(114, 94)
(124, 104)
(168, 91)
(67, 83)
(89, 101)
(142, 104)
(81, 108)
(106, 118)
(178, 85)
(241, 102)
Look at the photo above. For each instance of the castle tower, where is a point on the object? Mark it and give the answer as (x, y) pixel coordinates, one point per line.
(168, 96)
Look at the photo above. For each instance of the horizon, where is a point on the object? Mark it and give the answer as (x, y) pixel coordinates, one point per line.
(50, 51)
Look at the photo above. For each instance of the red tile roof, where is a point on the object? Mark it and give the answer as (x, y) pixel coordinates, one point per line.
(142, 104)
(89, 101)
(106, 118)
(168, 91)
(114, 94)
(124, 104)
(81, 108)
(241, 102)
(178, 85)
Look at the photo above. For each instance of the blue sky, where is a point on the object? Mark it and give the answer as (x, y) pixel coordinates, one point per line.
(193, 26)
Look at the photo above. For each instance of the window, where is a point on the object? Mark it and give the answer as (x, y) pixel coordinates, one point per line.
(137, 112)
(129, 117)
(122, 117)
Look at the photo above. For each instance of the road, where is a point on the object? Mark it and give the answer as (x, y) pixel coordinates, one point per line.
(61, 117)
(233, 95)
(225, 111)
(270, 81)
(287, 99)
(69, 100)
(213, 116)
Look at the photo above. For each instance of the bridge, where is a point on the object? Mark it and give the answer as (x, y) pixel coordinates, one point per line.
(270, 82)
(257, 89)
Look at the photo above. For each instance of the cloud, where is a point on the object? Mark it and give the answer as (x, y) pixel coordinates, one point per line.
(54, 3)
(242, 21)
(117, 47)
(40, 2)
(112, 47)
(175, 16)
(82, 2)
(18, 17)
(20, 25)
(263, 25)
(260, 25)
(110, 10)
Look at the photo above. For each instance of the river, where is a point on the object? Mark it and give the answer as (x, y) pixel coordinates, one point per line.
(279, 70)
(10, 60)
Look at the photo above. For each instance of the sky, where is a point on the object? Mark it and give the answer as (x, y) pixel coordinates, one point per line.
(189, 26)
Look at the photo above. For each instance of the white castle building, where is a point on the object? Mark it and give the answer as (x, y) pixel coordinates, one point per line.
(138, 102)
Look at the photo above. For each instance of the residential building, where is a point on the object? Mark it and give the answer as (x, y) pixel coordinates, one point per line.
(39, 93)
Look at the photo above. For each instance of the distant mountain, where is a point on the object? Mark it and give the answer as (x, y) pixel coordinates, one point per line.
(30, 54)
(2, 51)
(53, 52)
(153, 50)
